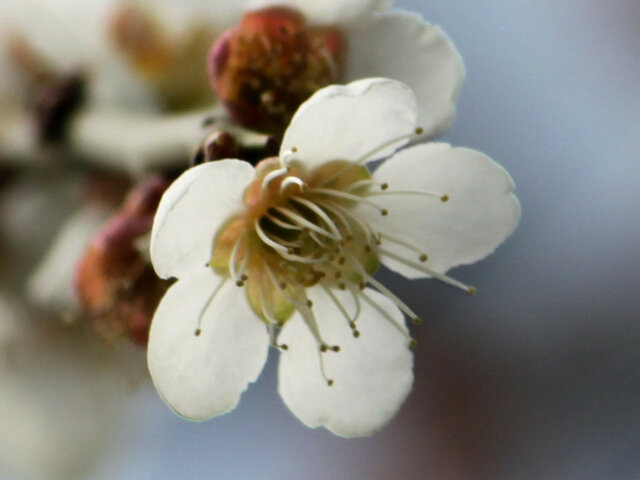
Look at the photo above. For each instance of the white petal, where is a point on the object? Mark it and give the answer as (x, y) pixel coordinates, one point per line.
(347, 122)
(401, 45)
(481, 212)
(203, 376)
(330, 12)
(372, 374)
(191, 211)
(136, 142)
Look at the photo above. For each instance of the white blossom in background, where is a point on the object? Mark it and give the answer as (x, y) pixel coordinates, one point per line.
(61, 397)
(284, 255)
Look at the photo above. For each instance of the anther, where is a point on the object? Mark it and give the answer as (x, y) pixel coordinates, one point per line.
(384, 212)
(413, 343)
(342, 286)
(239, 283)
(423, 257)
(323, 348)
(356, 333)
(416, 321)
(336, 348)
(419, 131)
(330, 383)
(309, 303)
(341, 260)
(198, 332)
(471, 290)
(294, 149)
(444, 198)
(367, 248)
(384, 186)
(283, 346)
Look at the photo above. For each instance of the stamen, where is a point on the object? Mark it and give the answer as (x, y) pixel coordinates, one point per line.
(280, 223)
(300, 220)
(438, 276)
(266, 239)
(232, 261)
(287, 157)
(441, 196)
(389, 318)
(278, 285)
(371, 153)
(272, 338)
(347, 196)
(267, 307)
(310, 320)
(422, 256)
(198, 331)
(338, 215)
(364, 226)
(293, 181)
(351, 323)
(382, 289)
(366, 183)
(318, 211)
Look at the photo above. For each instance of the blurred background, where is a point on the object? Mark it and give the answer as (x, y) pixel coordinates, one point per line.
(537, 376)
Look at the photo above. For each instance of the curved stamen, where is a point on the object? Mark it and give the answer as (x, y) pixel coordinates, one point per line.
(364, 226)
(338, 215)
(198, 331)
(293, 181)
(318, 211)
(233, 259)
(282, 224)
(266, 239)
(300, 220)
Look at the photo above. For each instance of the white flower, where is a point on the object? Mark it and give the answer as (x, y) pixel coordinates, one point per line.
(292, 244)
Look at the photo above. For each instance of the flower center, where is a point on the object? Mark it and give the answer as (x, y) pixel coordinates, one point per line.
(297, 230)
(269, 64)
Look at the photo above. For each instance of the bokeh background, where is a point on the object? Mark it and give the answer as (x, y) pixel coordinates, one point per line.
(537, 376)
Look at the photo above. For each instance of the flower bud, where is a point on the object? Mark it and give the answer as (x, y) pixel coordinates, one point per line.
(115, 282)
(265, 67)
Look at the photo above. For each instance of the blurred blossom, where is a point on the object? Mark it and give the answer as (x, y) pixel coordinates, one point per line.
(276, 57)
(293, 245)
(117, 287)
(61, 395)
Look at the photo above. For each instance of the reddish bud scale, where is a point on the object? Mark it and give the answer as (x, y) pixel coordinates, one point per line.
(263, 69)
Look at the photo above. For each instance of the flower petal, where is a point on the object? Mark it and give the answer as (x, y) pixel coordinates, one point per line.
(372, 373)
(330, 12)
(401, 45)
(191, 211)
(481, 212)
(348, 122)
(201, 376)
